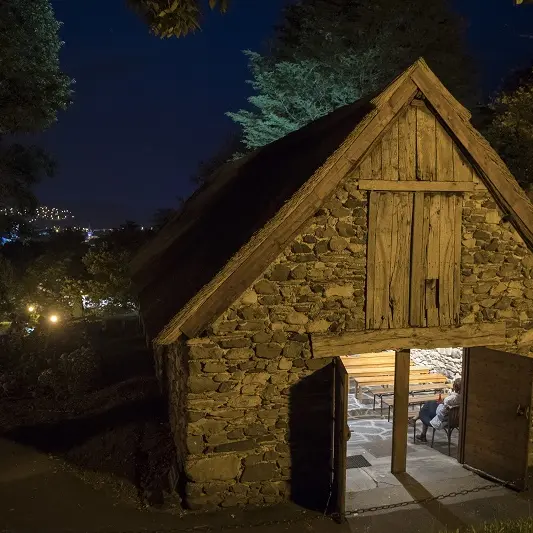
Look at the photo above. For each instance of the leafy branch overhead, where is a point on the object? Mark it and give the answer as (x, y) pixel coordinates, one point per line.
(173, 18)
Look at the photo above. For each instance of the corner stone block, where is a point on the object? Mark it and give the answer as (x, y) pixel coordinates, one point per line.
(217, 468)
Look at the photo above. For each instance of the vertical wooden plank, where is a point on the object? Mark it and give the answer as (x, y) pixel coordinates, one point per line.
(365, 168)
(375, 156)
(433, 261)
(401, 410)
(446, 287)
(444, 150)
(418, 263)
(458, 236)
(407, 144)
(382, 266)
(400, 260)
(355, 174)
(461, 168)
(386, 169)
(371, 260)
(389, 153)
(425, 144)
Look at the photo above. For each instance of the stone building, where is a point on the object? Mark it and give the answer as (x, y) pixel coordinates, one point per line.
(388, 224)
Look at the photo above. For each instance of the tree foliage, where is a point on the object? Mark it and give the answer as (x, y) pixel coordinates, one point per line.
(328, 53)
(173, 18)
(32, 90)
(69, 275)
(32, 86)
(510, 126)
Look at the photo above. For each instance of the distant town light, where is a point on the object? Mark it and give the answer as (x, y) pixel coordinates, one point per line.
(54, 319)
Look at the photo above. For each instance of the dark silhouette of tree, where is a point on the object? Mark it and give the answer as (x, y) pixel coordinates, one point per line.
(173, 18)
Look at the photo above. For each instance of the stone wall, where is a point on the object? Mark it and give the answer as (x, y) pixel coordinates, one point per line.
(260, 405)
(447, 361)
(497, 267)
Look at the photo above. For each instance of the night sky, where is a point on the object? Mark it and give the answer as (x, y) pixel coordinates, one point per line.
(147, 110)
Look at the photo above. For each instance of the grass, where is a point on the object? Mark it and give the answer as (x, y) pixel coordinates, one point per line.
(522, 525)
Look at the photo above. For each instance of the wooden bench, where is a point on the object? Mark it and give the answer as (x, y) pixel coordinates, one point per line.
(415, 378)
(389, 391)
(366, 371)
(413, 400)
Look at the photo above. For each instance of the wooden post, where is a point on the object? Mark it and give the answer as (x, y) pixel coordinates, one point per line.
(401, 409)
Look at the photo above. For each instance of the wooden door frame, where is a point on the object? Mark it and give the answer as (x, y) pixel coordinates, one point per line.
(464, 392)
(339, 490)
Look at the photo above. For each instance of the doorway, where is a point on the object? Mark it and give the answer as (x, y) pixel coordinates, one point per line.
(370, 405)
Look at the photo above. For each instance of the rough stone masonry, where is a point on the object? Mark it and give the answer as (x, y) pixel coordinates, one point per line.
(251, 407)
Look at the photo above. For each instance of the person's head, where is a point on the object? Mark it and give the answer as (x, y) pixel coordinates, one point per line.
(457, 385)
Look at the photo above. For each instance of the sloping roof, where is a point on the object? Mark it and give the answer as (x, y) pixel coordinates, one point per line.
(224, 214)
(235, 226)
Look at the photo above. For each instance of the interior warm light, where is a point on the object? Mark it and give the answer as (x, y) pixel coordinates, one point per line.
(54, 318)
(31, 308)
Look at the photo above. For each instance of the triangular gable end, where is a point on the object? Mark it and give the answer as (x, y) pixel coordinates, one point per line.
(253, 258)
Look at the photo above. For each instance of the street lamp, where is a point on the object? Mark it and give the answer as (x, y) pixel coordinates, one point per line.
(53, 319)
(31, 308)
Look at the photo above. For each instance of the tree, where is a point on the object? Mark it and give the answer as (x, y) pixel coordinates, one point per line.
(509, 126)
(32, 86)
(32, 90)
(110, 288)
(329, 53)
(173, 18)
(56, 278)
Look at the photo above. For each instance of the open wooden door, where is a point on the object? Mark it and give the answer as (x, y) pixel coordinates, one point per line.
(496, 411)
(340, 438)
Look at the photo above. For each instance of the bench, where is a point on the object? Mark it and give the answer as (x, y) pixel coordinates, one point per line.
(389, 391)
(413, 400)
(415, 378)
(367, 371)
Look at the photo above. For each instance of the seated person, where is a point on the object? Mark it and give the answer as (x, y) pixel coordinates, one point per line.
(435, 414)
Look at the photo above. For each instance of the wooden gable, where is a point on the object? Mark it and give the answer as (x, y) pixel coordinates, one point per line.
(416, 176)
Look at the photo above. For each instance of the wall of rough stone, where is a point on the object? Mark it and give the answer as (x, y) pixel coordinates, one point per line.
(497, 268)
(258, 421)
(260, 405)
(447, 361)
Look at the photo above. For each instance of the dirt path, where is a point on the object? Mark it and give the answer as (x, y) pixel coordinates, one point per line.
(37, 494)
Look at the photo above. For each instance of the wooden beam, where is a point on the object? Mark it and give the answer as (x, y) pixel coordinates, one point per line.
(330, 345)
(416, 186)
(401, 409)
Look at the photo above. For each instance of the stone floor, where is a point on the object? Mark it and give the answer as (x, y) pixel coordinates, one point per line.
(430, 471)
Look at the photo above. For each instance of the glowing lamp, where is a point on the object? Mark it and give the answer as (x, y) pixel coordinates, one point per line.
(31, 308)
(54, 319)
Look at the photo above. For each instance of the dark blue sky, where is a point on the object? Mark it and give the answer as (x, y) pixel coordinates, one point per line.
(147, 110)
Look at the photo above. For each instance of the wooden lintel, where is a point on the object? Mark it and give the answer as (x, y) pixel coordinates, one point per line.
(416, 186)
(400, 421)
(331, 345)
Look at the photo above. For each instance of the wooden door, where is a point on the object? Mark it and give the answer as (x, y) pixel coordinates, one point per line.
(340, 436)
(495, 421)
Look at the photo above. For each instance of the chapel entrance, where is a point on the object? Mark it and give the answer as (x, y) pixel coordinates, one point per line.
(377, 399)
